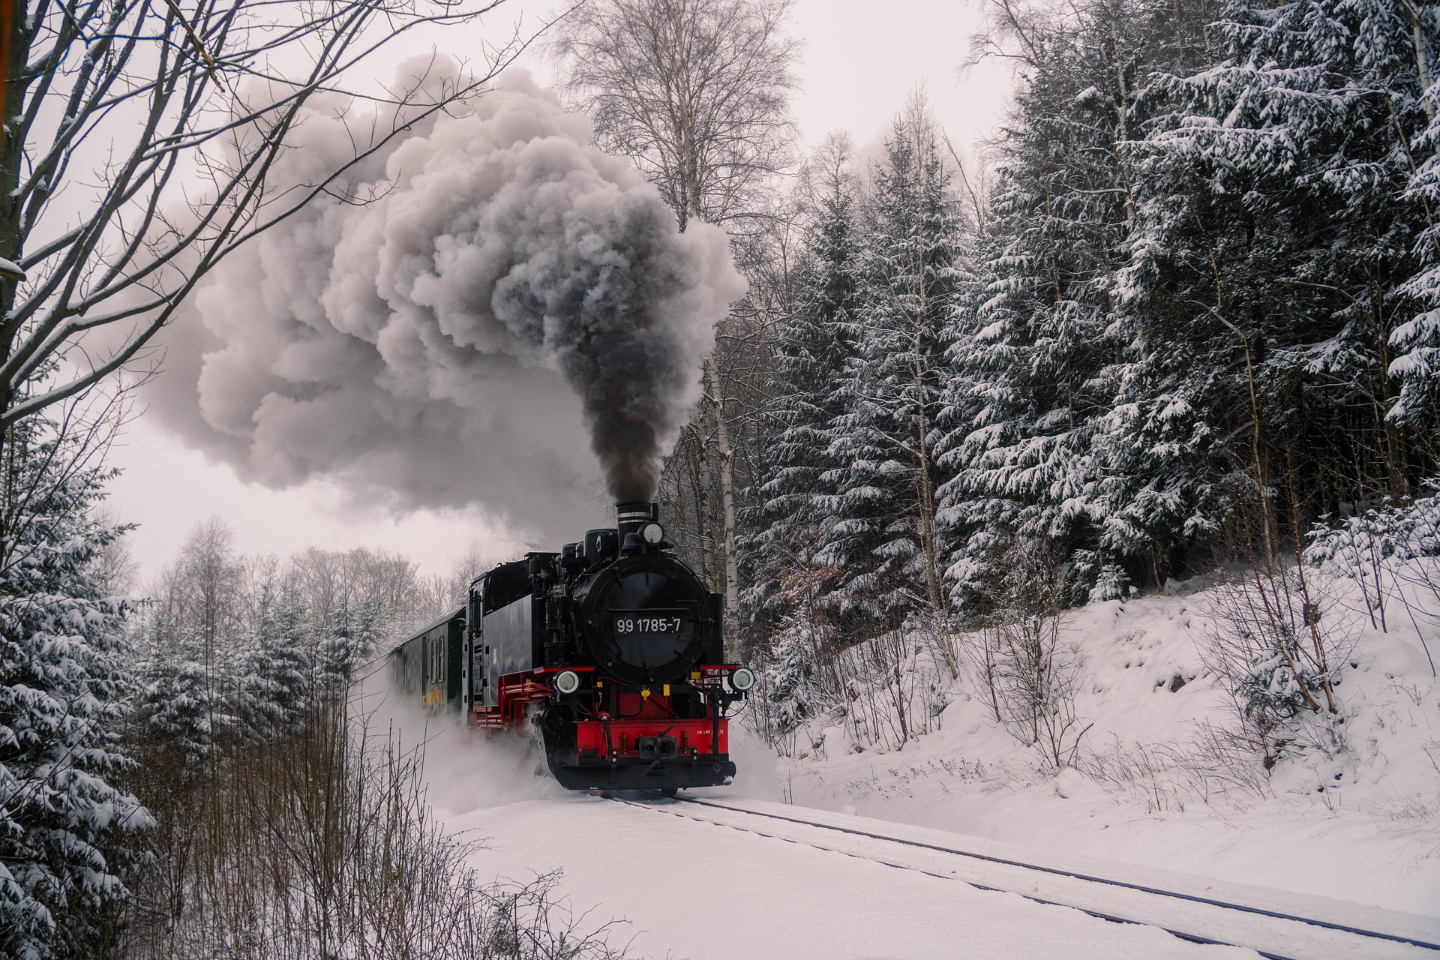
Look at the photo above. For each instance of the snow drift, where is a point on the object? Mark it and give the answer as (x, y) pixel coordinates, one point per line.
(450, 323)
(1151, 784)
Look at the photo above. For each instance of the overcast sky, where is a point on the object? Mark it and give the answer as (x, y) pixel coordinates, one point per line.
(860, 62)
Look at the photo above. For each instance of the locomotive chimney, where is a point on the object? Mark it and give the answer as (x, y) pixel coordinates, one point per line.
(631, 517)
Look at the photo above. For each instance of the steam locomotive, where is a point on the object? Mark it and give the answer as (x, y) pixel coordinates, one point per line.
(610, 651)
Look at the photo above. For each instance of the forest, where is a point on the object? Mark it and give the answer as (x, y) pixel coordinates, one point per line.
(1179, 315)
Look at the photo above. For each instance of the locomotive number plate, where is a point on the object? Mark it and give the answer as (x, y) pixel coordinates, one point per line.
(628, 623)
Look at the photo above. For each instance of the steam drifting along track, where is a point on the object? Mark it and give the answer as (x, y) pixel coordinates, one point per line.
(1276, 924)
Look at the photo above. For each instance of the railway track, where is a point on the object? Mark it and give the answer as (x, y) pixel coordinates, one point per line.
(1275, 924)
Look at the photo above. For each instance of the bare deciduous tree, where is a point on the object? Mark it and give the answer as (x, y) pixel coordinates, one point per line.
(114, 565)
(1023, 668)
(696, 92)
(1277, 642)
(138, 140)
(352, 861)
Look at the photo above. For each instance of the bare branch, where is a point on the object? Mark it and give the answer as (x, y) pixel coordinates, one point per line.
(160, 125)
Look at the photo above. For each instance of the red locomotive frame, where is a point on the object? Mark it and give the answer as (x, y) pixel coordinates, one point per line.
(641, 713)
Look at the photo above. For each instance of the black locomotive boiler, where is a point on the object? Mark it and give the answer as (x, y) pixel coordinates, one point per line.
(610, 650)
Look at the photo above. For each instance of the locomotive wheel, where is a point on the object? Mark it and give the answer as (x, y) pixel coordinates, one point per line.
(670, 792)
(557, 735)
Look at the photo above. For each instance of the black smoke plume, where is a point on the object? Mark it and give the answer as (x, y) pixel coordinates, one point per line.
(481, 290)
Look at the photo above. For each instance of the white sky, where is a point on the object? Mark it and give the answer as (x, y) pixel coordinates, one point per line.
(860, 62)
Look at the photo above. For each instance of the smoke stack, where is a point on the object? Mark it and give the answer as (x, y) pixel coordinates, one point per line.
(630, 517)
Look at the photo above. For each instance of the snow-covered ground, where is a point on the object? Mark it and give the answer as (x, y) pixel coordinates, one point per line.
(1362, 824)
(703, 891)
(682, 889)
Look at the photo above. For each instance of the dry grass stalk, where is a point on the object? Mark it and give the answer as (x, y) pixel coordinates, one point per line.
(320, 845)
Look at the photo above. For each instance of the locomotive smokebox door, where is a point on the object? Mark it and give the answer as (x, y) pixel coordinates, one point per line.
(646, 619)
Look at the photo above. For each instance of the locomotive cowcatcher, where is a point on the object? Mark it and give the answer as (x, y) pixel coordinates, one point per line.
(611, 651)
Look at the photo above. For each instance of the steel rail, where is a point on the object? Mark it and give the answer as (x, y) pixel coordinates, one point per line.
(1042, 868)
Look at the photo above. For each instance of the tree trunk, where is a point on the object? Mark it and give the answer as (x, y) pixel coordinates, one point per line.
(13, 51)
(929, 541)
(727, 486)
(1422, 62)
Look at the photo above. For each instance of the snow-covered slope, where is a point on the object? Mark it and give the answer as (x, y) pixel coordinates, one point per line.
(1361, 823)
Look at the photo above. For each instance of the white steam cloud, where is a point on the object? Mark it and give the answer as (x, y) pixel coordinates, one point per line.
(509, 306)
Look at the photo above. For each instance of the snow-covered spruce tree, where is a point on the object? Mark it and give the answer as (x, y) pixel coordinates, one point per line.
(176, 708)
(977, 404)
(354, 637)
(882, 536)
(812, 344)
(1036, 350)
(348, 603)
(1416, 341)
(1030, 336)
(276, 679)
(193, 651)
(791, 679)
(66, 829)
(1275, 245)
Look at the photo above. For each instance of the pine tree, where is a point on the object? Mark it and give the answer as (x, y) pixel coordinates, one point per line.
(1274, 245)
(194, 649)
(1033, 343)
(812, 343)
(792, 688)
(66, 829)
(176, 707)
(1416, 341)
(1039, 348)
(276, 683)
(883, 538)
(351, 643)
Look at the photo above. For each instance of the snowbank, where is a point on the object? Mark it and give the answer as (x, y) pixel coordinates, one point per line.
(1360, 823)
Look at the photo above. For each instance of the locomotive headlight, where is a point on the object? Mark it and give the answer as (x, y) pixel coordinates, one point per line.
(653, 533)
(567, 681)
(742, 679)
